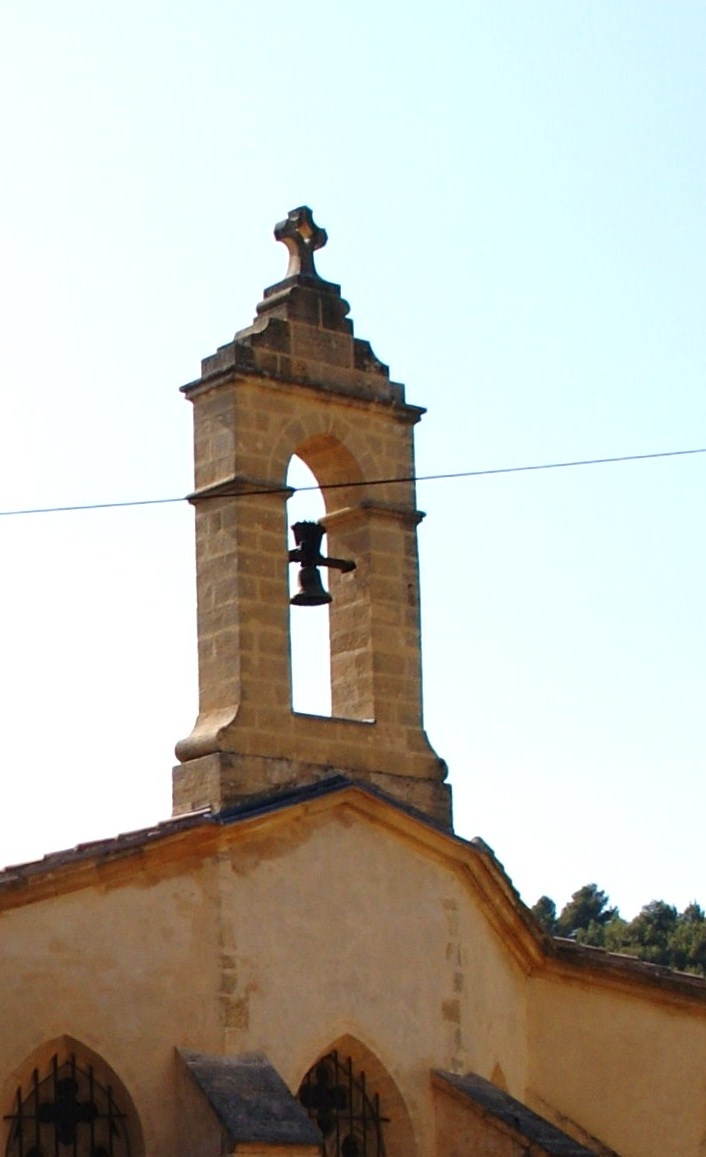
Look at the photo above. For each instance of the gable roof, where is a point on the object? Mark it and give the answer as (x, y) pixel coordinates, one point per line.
(196, 835)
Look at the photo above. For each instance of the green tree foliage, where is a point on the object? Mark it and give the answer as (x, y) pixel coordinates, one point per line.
(586, 907)
(544, 912)
(658, 934)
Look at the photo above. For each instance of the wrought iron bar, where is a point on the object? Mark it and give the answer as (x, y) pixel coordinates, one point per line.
(339, 1101)
(67, 1111)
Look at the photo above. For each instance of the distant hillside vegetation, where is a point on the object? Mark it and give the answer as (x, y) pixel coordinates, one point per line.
(659, 933)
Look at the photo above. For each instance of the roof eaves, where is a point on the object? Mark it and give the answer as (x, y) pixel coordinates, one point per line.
(124, 842)
(621, 967)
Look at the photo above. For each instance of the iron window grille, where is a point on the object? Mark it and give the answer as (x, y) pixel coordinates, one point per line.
(347, 1114)
(67, 1113)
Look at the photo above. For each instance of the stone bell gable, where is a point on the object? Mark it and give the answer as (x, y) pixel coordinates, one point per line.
(298, 382)
(305, 959)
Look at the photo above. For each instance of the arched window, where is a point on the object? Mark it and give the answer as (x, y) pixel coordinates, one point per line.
(347, 1112)
(67, 1109)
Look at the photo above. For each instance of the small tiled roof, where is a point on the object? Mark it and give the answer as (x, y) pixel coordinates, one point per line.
(251, 1100)
(15, 874)
(528, 1127)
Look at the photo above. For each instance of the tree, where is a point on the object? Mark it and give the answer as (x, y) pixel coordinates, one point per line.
(587, 906)
(649, 935)
(688, 941)
(658, 934)
(609, 935)
(544, 912)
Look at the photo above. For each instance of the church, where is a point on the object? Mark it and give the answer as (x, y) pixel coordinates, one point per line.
(304, 959)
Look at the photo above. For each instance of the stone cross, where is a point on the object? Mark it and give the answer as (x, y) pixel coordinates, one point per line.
(302, 238)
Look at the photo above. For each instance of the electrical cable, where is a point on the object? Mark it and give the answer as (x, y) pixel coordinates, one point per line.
(289, 490)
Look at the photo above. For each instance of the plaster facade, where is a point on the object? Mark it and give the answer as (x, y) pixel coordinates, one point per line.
(339, 921)
(621, 1060)
(313, 928)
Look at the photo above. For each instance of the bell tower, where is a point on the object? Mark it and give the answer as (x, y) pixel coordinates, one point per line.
(297, 381)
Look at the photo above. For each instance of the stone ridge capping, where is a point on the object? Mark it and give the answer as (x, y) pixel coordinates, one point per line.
(251, 1100)
(620, 965)
(511, 1116)
(264, 802)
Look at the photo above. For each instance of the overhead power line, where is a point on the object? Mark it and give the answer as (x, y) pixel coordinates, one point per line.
(240, 493)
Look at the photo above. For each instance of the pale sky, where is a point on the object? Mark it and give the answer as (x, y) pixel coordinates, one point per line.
(514, 197)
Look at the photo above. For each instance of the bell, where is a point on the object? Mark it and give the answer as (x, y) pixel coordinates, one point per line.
(312, 592)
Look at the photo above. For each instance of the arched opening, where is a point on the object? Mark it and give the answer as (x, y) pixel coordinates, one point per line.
(331, 650)
(347, 1112)
(357, 1106)
(309, 627)
(68, 1100)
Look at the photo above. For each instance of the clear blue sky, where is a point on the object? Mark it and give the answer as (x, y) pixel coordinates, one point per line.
(514, 196)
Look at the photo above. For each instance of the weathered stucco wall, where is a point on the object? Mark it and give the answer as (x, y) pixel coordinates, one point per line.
(630, 1066)
(340, 929)
(129, 971)
(293, 937)
(338, 923)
